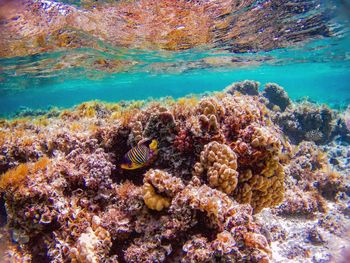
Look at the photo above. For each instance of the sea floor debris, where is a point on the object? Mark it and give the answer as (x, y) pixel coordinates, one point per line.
(240, 176)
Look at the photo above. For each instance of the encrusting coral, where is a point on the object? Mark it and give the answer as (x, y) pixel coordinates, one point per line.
(232, 224)
(220, 160)
(163, 183)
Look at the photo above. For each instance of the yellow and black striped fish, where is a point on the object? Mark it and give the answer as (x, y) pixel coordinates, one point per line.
(140, 156)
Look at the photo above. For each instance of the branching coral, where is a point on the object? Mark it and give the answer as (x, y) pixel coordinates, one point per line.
(136, 132)
(219, 164)
(210, 113)
(261, 180)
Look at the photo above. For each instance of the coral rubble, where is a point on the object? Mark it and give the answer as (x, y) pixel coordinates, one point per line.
(222, 165)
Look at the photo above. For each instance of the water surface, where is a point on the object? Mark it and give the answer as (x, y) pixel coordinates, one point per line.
(73, 51)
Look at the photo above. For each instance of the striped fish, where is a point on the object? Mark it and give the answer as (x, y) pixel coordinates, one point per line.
(140, 156)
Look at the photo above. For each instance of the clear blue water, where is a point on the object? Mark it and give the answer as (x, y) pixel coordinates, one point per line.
(316, 68)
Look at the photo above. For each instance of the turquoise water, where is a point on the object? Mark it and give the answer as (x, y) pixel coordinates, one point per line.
(316, 68)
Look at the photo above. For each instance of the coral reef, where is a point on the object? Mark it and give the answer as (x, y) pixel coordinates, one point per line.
(247, 87)
(91, 243)
(303, 121)
(261, 180)
(312, 222)
(310, 122)
(231, 223)
(225, 187)
(278, 98)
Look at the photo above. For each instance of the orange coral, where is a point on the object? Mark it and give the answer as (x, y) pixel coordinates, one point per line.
(88, 109)
(187, 101)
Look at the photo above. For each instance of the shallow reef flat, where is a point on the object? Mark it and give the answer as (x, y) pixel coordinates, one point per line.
(242, 175)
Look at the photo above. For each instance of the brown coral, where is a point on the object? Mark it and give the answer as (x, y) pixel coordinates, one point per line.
(262, 176)
(197, 249)
(232, 222)
(247, 87)
(150, 250)
(219, 164)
